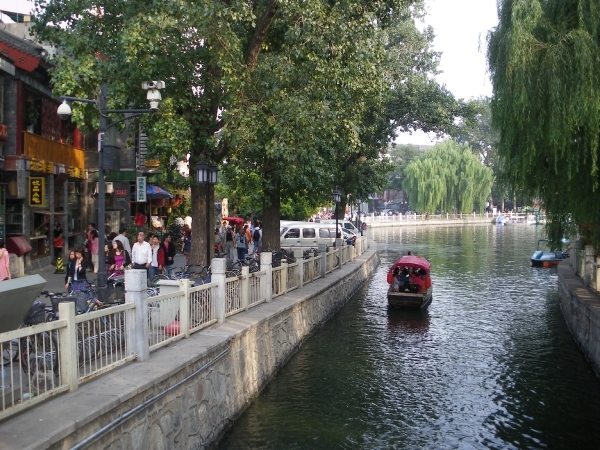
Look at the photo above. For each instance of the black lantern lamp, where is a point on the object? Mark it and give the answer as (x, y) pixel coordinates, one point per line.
(207, 174)
(337, 198)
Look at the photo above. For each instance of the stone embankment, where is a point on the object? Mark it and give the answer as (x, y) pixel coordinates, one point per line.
(186, 395)
(580, 305)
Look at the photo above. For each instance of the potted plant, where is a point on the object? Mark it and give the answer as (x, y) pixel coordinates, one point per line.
(32, 115)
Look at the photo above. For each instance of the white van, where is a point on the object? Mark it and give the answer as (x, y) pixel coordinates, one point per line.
(306, 234)
(344, 224)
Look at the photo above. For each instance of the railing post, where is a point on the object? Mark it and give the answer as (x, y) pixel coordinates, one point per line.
(137, 318)
(266, 259)
(245, 288)
(184, 307)
(299, 255)
(219, 267)
(67, 337)
(323, 253)
(283, 277)
(300, 271)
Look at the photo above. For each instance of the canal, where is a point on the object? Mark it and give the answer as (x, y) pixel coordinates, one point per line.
(491, 364)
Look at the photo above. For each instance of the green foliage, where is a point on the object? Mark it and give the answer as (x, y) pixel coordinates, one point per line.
(448, 177)
(400, 157)
(544, 60)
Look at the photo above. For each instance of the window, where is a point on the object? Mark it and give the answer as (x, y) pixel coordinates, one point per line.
(294, 233)
(327, 233)
(309, 233)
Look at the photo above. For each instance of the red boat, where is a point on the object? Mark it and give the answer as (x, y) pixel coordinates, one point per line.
(418, 292)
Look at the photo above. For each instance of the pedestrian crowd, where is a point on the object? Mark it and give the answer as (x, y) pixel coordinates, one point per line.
(236, 243)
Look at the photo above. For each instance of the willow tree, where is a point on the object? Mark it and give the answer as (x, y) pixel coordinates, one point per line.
(544, 59)
(448, 177)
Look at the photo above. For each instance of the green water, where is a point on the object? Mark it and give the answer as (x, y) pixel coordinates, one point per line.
(491, 364)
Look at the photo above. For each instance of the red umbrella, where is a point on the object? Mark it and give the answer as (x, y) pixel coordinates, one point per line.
(234, 220)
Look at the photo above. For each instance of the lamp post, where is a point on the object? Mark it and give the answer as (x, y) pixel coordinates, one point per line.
(64, 111)
(207, 174)
(358, 224)
(337, 197)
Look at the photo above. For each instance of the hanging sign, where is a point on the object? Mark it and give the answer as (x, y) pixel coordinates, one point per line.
(140, 186)
(37, 190)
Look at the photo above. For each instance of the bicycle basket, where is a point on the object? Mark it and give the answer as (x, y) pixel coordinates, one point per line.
(112, 293)
(81, 304)
(36, 314)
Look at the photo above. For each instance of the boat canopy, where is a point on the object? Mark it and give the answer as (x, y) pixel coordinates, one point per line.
(411, 261)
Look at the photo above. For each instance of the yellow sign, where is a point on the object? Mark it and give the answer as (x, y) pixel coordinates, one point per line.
(37, 191)
(152, 163)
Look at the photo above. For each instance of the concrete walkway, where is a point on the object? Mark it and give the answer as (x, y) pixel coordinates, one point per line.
(68, 418)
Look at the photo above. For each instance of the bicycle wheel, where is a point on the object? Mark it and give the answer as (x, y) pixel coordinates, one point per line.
(10, 352)
(39, 354)
(156, 278)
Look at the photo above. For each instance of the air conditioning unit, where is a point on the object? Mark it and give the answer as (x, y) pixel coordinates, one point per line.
(108, 188)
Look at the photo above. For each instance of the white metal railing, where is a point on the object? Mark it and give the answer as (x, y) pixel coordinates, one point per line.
(318, 264)
(293, 276)
(279, 282)
(329, 261)
(102, 341)
(30, 373)
(202, 312)
(308, 269)
(233, 296)
(256, 294)
(55, 357)
(408, 218)
(163, 323)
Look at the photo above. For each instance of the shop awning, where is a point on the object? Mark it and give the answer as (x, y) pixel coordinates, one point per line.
(156, 192)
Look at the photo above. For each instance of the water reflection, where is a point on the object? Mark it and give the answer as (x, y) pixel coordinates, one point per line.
(408, 321)
(491, 364)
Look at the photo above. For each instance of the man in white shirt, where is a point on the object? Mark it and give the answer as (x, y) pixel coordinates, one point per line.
(122, 236)
(141, 253)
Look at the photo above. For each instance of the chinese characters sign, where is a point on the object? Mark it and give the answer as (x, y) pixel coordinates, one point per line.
(37, 191)
(140, 194)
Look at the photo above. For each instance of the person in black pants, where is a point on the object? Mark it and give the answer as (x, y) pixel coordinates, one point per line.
(76, 272)
(170, 252)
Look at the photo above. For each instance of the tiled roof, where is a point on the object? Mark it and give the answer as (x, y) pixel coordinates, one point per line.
(23, 45)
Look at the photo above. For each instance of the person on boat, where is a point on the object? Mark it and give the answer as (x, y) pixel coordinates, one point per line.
(403, 279)
(416, 281)
(395, 279)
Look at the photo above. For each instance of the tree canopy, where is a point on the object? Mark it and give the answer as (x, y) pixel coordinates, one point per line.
(448, 178)
(289, 96)
(545, 65)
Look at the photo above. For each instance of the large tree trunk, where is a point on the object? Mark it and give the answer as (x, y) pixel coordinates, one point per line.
(271, 214)
(340, 211)
(202, 224)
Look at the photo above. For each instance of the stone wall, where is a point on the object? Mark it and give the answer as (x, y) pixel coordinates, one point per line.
(581, 308)
(203, 383)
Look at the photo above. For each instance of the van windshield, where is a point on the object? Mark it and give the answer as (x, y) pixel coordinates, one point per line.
(294, 233)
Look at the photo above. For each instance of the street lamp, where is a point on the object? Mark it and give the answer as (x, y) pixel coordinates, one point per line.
(207, 174)
(337, 197)
(64, 111)
(358, 224)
